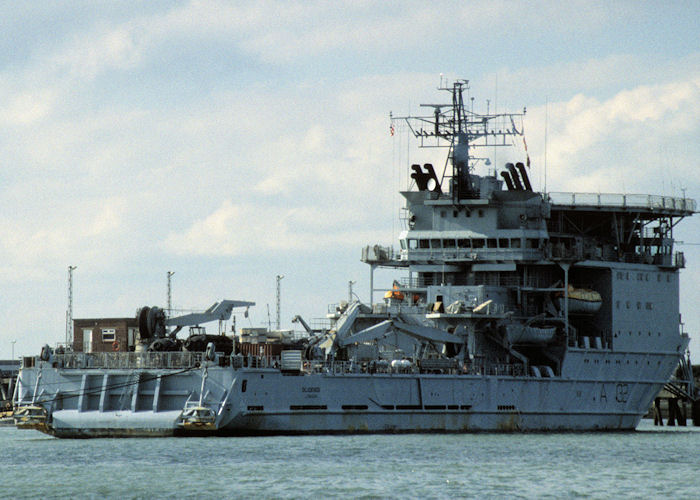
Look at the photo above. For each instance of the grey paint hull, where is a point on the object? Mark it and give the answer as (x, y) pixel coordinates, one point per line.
(595, 392)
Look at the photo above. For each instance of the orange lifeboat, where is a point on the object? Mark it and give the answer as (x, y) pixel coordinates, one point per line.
(394, 293)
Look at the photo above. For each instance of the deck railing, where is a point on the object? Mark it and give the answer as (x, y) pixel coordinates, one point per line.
(186, 360)
(128, 360)
(644, 201)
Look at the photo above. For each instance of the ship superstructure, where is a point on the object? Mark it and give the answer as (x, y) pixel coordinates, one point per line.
(516, 310)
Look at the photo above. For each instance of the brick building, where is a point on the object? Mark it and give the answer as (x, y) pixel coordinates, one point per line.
(104, 334)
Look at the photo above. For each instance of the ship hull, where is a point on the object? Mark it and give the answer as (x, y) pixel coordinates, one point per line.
(257, 401)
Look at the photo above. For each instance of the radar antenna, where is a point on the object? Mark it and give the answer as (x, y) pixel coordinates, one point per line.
(453, 126)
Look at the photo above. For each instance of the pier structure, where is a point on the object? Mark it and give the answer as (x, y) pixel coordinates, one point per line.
(679, 400)
(8, 377)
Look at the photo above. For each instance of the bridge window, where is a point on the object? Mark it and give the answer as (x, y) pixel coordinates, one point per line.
(503, 242)
(515, 243)
(478, 243)
(424, 243)
(448, 243)
(412, 244)
(491, 242)
(464, 243)
(435, 243)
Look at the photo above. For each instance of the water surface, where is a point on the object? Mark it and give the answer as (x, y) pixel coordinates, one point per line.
(650, 462)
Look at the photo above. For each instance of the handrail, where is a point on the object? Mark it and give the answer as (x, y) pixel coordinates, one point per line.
(645, 201)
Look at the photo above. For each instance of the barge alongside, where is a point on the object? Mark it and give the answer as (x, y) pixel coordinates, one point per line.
(517, 310)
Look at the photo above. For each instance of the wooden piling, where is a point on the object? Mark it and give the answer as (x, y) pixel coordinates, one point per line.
(658, 419)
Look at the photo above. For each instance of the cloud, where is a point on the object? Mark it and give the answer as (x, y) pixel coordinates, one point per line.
(241, 230)
(619, 143)
(182, 133)
(45, 239)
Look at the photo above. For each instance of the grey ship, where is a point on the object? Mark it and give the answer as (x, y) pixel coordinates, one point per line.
(517, 311)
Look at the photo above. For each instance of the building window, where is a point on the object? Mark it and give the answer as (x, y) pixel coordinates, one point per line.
(87, 339)
(109, 335)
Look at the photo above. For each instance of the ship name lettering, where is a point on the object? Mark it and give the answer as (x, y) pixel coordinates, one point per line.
(310, 389)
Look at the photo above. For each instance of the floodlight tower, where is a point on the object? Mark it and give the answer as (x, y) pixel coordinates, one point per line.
(69, 311)
(170, 297)
(279, 278)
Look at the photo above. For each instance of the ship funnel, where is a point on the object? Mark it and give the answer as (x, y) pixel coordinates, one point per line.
(523, 174)
(509, 182)
(514, 175)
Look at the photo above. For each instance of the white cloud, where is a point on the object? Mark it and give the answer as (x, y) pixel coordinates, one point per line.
(26, 108)
(243, 230)
(620, 143)
(107, 164)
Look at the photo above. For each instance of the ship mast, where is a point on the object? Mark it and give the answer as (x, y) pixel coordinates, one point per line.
(453, 126)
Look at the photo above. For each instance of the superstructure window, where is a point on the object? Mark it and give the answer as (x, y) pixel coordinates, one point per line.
(478, 243)
(435, 243)
(464, 243)
(515, 243)
(412, 244)
(448, 243)
(403, 244)
(491, 242)
(424, 243)
(503, 242)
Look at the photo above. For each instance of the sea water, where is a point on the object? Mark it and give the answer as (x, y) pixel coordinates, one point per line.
(650, 462)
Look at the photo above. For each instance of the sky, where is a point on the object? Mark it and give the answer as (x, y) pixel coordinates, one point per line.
(231, 142)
